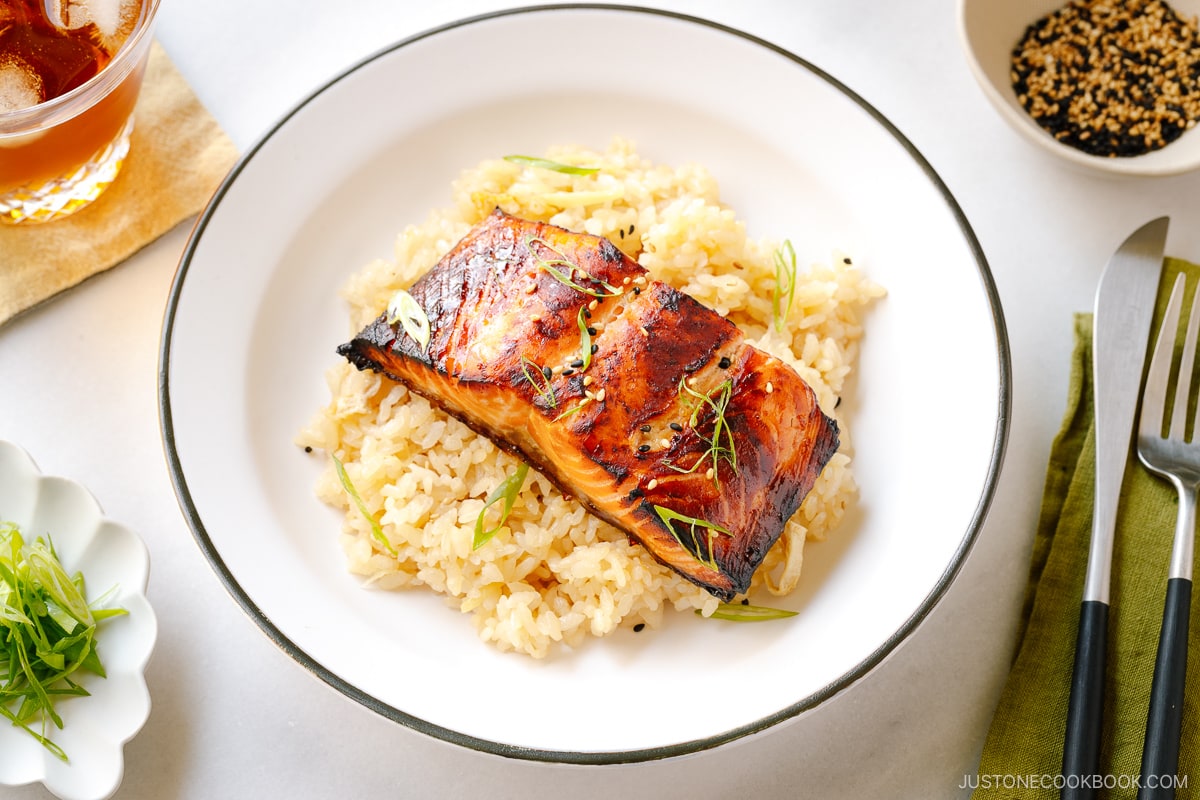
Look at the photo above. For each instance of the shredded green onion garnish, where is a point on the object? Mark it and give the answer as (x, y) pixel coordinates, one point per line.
(506, 491)
(716, 449)
(408, 312)
(585, 339)
(573, 410)
(738, 612)
(668, 516)
(47, 634)
(544, 163)
(376, 530)
(568, 278)
(785, 283)
(541, 384)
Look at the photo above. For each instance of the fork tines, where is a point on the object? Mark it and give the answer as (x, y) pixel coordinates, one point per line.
(1154, 398)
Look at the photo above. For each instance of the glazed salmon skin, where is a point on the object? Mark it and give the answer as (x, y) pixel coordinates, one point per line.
(646, 406)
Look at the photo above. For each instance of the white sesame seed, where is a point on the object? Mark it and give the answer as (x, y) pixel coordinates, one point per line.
(600, 396)
(710, 473)
(653, 484)
(664, 443)
(770, 387)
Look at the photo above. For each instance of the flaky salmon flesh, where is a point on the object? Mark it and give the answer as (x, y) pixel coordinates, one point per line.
(646, 406)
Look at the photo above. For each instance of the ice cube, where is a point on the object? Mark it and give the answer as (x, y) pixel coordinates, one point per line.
(115, 20)
(20, 86)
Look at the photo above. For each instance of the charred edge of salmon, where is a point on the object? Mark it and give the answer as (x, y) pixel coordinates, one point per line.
(792, 438)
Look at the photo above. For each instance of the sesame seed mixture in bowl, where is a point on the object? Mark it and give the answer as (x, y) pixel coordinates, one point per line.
(1112, 85)
(554, 575)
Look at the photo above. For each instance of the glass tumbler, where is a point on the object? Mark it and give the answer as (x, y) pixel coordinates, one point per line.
(60, 154)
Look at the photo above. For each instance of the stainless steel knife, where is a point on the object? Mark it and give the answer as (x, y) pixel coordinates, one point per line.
(1120, 335)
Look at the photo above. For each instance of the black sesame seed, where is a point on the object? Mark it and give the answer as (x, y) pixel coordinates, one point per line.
(675, 426)
(645, 429)
(595, 348)
(636, 290)
(641, 626)
(577, 363)
(745, 601)
(591, 331)
(307, 449)
(631, 229)
(643, 448)
(587, 314)
(568, 372)
(724, 362)
(547, 372)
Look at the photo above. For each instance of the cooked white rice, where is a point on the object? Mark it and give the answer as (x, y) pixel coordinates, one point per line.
(554, 573)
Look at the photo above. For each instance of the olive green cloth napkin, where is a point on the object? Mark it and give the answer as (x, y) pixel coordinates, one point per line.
(177, 158)
(1022, 756)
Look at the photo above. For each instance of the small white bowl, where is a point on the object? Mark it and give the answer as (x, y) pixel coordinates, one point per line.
(95, 727)
(989, 29)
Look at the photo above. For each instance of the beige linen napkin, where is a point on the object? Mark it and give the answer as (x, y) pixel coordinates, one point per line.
(177, 159)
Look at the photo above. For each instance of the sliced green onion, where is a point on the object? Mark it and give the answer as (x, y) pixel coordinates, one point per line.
(737, 612)
(376, 530)
(585, 339)
(545, 163)
(669, 516)
(405, 309)
(573, 410)
(785, 283)
(542, 384)
(47, 634)
(506, 491)
(567, 278)
(716, 449)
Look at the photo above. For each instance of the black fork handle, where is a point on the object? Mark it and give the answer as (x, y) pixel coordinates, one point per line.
(1160, 754)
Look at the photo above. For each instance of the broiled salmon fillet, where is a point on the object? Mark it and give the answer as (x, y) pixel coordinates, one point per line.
(646, 406)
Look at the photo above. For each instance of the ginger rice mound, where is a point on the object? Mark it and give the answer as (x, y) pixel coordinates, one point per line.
(553, 574)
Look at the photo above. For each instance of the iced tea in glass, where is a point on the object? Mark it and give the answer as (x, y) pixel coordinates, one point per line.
(70, 73)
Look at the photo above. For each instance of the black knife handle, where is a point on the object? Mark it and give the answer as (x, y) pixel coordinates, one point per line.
(1160, 754)
(1085, 712)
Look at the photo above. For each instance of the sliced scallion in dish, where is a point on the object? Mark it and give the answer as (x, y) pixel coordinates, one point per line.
(669, 517)
(567, 278)
(720, 444)
(585, 340)
(47, 634)
(404, 309)
(507, 491)
(541, 383)
(376, 529)
(738, 612)
(785, 283)
(553, 166)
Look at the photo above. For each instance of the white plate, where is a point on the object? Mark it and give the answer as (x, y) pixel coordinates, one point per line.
(254, 317)
(110, 555)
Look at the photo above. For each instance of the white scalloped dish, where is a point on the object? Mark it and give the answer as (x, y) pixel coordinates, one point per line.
(95, 727)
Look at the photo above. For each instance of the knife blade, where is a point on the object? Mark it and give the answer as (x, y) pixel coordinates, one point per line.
(1124, 308)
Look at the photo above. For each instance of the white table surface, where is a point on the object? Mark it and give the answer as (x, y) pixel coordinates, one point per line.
(234, 717)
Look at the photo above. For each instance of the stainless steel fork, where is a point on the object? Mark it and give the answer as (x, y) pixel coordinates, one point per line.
(1174, 456)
